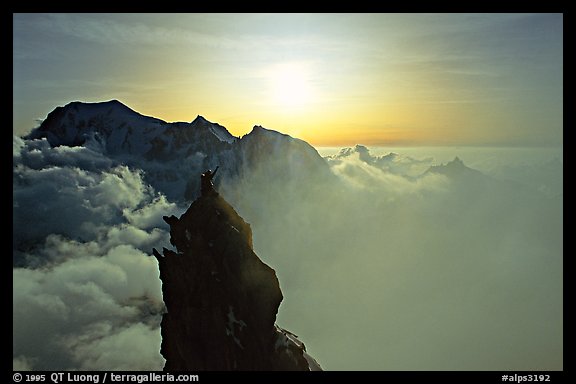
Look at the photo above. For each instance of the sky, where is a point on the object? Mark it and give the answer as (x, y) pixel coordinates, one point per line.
(330, 79)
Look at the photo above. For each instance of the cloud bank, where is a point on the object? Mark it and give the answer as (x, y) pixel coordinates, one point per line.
(84, 283)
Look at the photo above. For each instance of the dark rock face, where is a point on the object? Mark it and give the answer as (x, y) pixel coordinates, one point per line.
(221, 299)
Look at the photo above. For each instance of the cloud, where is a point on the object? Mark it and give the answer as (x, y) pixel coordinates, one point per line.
(76, 305)
(37, 154)
(79, 193)
(21, 364)
(150, 216)
(387, 173)
(84, 281)
(142, 30)
(106, 348)
(72, 201)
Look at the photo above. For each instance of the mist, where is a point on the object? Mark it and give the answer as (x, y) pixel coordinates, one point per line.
(383, 266)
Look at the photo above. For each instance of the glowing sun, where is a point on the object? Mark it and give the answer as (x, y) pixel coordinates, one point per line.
(291, 85)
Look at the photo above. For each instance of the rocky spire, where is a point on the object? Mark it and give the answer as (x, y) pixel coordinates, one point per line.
(221, 299)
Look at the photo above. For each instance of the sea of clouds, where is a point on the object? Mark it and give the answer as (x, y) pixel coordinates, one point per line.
(383, 267)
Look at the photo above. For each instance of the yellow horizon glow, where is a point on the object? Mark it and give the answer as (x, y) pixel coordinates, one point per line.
(393, 124)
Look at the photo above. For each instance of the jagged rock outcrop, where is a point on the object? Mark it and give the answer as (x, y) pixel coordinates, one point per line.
(221, 299)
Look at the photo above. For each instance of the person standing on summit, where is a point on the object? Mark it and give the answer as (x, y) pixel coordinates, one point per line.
(206, 185)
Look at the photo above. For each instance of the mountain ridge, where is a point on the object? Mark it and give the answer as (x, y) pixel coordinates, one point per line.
(185, 149)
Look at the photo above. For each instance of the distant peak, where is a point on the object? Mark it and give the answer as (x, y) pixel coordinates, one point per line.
(112, 102)
(115, 101)
(358, 148)
(455, 168)
(200, 119)
(71, 124)
(456, 162)
(220, 132)
(361, 148)
(258, 129)
(98, 106)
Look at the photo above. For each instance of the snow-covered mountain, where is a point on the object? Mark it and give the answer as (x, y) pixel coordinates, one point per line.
(118, 129)
(172, 155)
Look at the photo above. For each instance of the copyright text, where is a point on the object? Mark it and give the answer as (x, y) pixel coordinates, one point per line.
(103, 377)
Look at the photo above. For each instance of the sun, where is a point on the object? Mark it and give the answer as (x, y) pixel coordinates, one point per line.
(291, 85)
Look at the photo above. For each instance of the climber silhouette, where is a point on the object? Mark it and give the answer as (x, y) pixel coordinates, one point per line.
(206, 185)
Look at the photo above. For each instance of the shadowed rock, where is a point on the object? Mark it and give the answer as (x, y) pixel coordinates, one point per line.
(221, 299)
